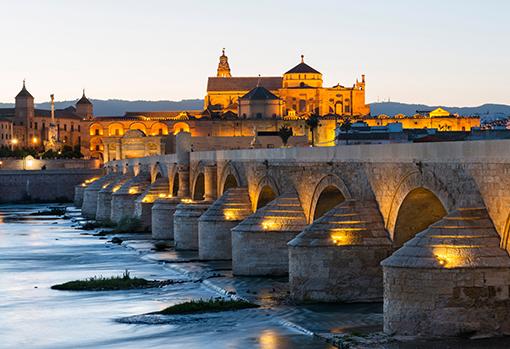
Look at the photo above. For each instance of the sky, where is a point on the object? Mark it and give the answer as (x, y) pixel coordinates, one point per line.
(447, 52)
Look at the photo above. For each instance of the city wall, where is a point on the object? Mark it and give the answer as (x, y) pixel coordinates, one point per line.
(42, 186)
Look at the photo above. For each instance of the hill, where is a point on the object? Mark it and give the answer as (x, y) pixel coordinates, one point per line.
(116, 107)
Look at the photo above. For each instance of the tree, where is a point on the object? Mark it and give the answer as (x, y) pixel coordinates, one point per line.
(285, 132)
(313, 122)
(346, 127)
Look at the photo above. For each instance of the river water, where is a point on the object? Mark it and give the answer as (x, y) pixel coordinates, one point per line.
(38, 252)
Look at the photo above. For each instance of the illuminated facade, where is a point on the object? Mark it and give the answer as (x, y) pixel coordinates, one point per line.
(27, 126)
(300, 91)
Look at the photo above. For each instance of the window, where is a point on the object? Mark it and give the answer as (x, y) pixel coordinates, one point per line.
(117, 132)
(96, 132)
(259, 115)
(160, 131)
(35, 125)
(72, 127)
(65, 127)
(79, 128)
(97, 146)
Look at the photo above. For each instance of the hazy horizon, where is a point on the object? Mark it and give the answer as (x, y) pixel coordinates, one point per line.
(436, 53)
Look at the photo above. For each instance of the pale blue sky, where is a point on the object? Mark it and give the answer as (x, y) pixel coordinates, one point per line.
(449, 52)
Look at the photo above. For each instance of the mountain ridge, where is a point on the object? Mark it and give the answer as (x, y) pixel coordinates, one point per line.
(118, 107)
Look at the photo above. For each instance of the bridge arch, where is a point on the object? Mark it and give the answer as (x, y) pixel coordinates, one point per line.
(229, 178)
(265, 192)
(197, 181)
(419, 209)
(414, 180)
(328, 193)
(157, 170)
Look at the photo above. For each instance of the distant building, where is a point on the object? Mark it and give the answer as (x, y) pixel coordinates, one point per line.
(27, 126)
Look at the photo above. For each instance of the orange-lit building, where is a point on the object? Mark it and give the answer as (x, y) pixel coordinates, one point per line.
(28, 126)
(237, 107)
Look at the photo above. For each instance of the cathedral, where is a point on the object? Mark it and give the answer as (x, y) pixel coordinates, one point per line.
(299, 94)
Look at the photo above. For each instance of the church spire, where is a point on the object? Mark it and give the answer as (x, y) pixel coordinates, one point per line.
(223, 66)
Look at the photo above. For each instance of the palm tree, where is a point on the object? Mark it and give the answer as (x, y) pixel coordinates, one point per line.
(313, 122)
(285, 132)
(345, 127)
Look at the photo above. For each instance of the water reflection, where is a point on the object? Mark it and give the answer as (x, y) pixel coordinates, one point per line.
(35, 254)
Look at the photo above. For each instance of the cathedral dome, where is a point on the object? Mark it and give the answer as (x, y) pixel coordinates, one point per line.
(259, 93)
(302, 68)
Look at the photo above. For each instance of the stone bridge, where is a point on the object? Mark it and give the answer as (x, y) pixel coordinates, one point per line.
(424, 227)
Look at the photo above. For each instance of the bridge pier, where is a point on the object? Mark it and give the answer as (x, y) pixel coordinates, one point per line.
(451, 279)
(78, 194)
(259, 243)
(90, 194)
(214, 226)
(104, 198)
(186, 224)
(144, 203)
(210, 180)
(123, 200)
(337, 258)
(163, 211)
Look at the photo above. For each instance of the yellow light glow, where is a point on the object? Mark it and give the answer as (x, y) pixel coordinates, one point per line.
(230, 214)
(132, 191)
(342, 238)
(14, 141)
(162, 195)
(186, 201)
(269, 224)
(145, 199)
(34, 140)
(104, 186)
(448, 256)
(269, 340)
(116, 188)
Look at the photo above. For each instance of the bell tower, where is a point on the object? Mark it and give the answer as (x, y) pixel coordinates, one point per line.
(223, 67)
(24, 116)
(84, 107)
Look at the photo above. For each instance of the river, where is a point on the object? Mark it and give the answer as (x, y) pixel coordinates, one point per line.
(37, 252)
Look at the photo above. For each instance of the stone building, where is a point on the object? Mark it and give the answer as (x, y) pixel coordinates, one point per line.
(29, 125)
(300, 90)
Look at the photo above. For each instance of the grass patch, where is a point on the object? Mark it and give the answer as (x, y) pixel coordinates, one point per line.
(161, 246)
(212, 305)
(128, 225)
(114, 283)
(51, 212)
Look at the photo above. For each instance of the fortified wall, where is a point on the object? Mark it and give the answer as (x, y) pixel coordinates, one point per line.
(42, 186)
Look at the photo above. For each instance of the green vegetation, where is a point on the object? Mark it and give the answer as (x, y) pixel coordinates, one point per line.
(128, 225)
(67, 152)
(212, 305)
(55, 211)
(125, 225)
(114, 283)
(285, 132)
(161, 245)
(313, 122)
